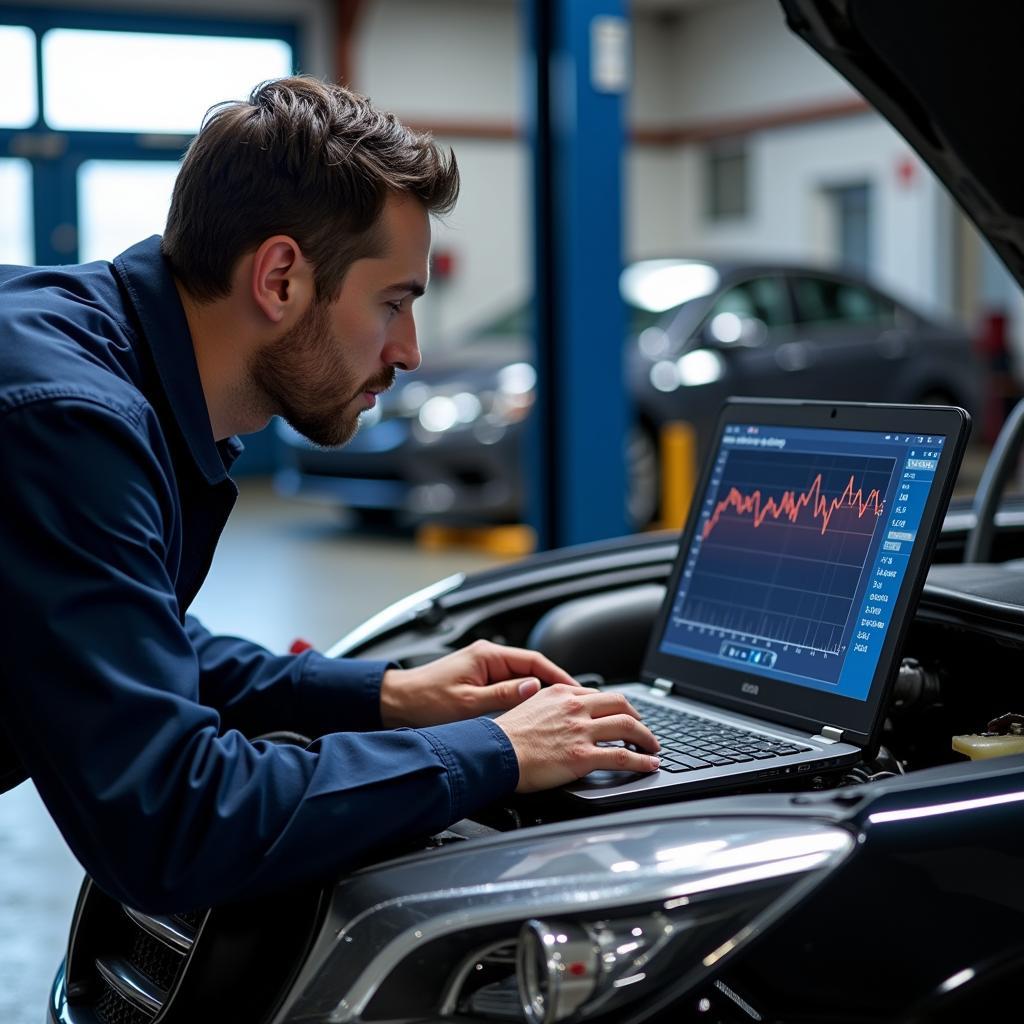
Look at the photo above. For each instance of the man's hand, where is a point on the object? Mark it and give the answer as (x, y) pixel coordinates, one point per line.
(555, 736)
(479, 678)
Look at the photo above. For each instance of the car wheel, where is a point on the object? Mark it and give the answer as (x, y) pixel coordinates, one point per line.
(644, 477)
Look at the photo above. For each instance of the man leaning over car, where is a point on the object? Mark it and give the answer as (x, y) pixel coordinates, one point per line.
(296, 242)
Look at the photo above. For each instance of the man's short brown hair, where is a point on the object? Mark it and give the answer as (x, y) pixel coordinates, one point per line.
(303, 158)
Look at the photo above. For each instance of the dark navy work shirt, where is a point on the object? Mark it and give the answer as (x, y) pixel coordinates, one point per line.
(133, 721)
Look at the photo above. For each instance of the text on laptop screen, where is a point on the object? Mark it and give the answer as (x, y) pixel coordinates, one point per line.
(800, 550)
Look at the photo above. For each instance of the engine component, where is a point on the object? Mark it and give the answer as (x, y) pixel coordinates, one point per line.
(1004, 735)
(915, 686)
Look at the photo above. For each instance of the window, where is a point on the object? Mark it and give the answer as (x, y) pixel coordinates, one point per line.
(174, 78)
(761, 298)
(727, 186)
(121, 202)
(851, 206)
(122, 96)
(825, 300)
(17, 76)
(16, 204)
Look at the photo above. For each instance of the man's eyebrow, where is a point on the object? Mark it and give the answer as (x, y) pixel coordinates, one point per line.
(414, 287)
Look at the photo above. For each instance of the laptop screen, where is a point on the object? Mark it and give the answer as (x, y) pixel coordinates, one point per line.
(802, 542)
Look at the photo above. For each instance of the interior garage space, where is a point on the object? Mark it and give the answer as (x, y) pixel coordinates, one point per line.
(661, 204)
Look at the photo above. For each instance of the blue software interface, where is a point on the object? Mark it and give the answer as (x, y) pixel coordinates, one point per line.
(800, 551)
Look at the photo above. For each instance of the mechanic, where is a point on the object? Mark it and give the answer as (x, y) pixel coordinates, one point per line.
(296, 242)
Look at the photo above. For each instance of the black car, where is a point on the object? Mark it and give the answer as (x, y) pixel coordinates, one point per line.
(889, 893)
(447, 443)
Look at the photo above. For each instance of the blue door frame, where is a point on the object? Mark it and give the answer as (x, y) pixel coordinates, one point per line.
(55, 156)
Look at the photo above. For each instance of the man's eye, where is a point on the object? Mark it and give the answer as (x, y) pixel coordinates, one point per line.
(395, 307)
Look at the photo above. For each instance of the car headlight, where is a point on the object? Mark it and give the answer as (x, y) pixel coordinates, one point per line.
(441, 409)
(595, 925)
(692, 369)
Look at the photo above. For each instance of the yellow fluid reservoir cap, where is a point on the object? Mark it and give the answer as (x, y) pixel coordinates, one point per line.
(978, 746)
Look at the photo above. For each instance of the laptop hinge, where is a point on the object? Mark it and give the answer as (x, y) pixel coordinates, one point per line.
(663, 686)
(830, 734)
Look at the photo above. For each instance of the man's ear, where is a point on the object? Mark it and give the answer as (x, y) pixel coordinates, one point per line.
(282, 280)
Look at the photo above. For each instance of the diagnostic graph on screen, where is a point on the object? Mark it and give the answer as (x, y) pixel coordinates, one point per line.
(780, 561)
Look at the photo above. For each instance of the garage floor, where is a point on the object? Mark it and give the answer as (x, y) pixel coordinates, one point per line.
(284, 570)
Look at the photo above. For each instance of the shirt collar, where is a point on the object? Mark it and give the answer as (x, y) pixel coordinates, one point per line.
(147, 276)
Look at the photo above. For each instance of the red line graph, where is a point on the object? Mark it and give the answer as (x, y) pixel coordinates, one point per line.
(791, 504)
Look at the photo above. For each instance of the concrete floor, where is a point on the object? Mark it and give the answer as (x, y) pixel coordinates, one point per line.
(283, 570)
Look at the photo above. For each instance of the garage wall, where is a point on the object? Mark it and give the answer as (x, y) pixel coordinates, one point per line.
(734, 61)
(489, 237)
(460, 64)
(442, 59)
(736, 57)
(791, 169)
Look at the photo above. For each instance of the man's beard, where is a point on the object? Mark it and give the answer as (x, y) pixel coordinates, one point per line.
(305, 378)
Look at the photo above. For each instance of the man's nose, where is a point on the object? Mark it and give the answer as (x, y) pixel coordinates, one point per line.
(403, 350)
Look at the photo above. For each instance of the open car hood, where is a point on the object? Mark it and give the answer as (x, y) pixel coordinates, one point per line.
(947, 75)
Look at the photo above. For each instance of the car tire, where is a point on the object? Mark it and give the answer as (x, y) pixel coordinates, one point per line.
(643, 471)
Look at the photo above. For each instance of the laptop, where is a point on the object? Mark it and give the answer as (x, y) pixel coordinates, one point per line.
(779, 638)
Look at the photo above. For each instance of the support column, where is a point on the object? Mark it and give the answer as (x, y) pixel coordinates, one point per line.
(578, 65)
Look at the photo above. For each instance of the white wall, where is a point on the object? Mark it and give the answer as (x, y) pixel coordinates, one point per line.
(656, 207)
(439, 59)
(489, 234)
(790, 168)
(737, 57)
(652, 98)
(456, 61)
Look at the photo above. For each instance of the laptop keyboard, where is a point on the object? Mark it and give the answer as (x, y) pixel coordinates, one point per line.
(689, 742)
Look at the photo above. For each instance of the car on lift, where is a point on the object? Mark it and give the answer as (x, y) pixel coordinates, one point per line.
(447, 444)
(890, 893)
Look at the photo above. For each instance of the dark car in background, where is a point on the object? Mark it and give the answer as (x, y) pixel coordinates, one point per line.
(447, 442)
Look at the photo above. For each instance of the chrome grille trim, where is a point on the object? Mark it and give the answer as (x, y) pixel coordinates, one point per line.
(167, 930)
(132, 986)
